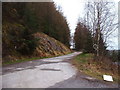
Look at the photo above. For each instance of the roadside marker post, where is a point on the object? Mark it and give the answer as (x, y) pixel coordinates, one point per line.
(108, 78)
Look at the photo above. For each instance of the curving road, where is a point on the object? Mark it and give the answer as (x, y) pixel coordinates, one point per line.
(54, 72)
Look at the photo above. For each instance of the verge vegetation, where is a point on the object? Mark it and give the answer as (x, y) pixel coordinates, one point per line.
(85, 63)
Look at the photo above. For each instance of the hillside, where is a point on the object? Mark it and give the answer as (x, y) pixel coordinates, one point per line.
(46, 47)
(30, 31)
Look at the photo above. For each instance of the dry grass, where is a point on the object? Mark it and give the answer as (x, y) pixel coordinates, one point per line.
(95, 68)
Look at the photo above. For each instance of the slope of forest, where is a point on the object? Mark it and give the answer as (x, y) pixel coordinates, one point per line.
(23, 28)
(48, 46)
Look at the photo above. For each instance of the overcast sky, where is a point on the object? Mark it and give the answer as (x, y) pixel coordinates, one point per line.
(73, 9)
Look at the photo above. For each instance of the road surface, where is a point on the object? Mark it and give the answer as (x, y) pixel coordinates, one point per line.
(54, 72)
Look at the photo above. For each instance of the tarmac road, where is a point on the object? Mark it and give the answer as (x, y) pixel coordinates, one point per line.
(54, 72)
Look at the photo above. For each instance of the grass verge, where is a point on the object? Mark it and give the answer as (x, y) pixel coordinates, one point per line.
(86, 64)
(21, 60)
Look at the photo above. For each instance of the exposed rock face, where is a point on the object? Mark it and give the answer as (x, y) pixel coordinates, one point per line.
(48, 46)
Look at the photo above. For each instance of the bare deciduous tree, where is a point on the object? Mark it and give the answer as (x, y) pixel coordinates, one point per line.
(101, 19)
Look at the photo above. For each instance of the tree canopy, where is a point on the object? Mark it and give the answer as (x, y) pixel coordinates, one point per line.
(21, 20)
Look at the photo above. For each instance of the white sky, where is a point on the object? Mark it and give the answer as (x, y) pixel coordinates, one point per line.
(73, 9)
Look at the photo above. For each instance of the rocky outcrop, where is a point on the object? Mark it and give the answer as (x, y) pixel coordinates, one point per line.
(48, 46)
